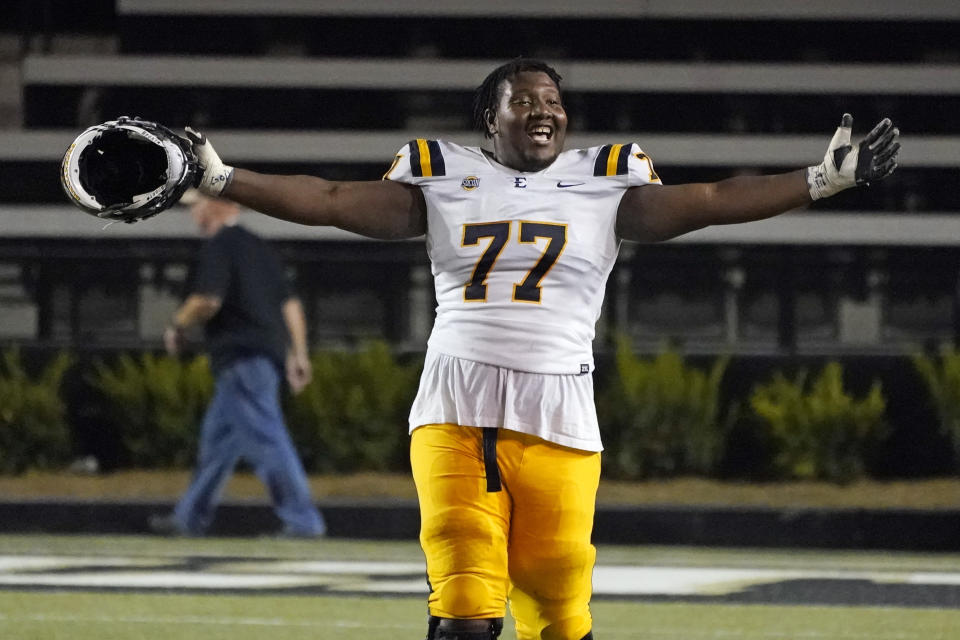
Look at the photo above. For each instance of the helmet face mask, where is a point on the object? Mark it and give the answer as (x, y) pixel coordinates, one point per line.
(127, 169)
(120, 165)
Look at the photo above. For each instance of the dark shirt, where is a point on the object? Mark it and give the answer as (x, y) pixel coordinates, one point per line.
(245, 273)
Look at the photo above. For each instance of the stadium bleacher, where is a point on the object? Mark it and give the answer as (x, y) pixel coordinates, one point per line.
(708, 89)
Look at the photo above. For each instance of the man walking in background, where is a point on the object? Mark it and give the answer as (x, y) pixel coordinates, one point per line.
(254, 329)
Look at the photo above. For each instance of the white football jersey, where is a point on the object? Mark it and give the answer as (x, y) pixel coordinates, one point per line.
(520, 260)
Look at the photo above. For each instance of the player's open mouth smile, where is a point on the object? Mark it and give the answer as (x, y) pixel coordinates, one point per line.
(541, 133)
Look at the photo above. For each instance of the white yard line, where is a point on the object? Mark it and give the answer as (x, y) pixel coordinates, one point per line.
(403, 577)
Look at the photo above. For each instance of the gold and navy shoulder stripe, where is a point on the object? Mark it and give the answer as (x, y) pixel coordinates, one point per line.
(426, 159)
(612, 160)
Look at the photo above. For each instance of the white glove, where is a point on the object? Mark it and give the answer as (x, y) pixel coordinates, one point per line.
(215, 175)
(845, 166)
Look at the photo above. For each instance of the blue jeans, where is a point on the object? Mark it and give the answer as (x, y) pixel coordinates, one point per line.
(244, 420)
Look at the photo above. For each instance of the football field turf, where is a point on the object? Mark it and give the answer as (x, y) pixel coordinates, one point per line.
(104, 588)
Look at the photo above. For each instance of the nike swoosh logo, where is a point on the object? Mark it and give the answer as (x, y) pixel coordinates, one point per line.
(564, 185)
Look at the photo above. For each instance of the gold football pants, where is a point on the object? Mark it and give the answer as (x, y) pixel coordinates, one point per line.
(529, 542)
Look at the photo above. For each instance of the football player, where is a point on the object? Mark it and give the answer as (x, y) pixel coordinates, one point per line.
(505, 447)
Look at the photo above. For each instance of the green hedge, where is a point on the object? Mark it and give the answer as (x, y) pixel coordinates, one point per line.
(818, 430)
(661, 417)
(155, 404)
(353, 414)
(351, 417)
(34, 433)
(942, 378)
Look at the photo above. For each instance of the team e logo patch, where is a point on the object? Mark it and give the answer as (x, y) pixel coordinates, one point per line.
(470, 183)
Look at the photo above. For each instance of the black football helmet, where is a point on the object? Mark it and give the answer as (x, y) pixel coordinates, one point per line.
(127, 169)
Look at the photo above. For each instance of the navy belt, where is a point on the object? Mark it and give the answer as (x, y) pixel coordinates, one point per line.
(490, 468)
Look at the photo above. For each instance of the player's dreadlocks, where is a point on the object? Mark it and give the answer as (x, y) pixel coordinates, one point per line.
(488, 94)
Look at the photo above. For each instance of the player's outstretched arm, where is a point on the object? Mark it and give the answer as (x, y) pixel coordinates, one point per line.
(378, 209)
(653, 213)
